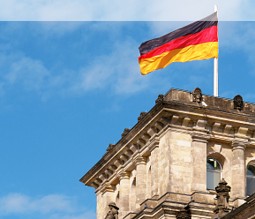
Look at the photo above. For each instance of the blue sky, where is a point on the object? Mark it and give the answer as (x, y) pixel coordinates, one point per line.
(69, 88)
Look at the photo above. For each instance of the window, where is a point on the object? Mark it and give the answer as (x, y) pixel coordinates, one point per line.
(250, 180)
(213, 174)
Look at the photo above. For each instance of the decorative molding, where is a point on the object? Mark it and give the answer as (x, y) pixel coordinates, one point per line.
(140, 160)
(124, 175)
(107, 187)
(200, 137)
(154, 143)
(239, 144)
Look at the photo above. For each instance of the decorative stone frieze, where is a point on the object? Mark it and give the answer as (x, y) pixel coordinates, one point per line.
(186, 121)
(201, 124)
(158, 125)
(151, 131)
(228, 129)
(124, 158)
(175, 119)
(242, 132)
(154, 143)
(217, 127)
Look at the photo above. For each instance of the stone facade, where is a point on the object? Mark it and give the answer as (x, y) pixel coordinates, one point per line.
(158, 169)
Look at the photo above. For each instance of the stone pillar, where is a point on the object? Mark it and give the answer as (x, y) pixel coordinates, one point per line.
(140, 180)
(199, 154)
(238, 170)
(154, 148)
(124, 194)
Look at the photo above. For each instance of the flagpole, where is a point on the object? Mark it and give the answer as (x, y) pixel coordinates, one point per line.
(215, 70)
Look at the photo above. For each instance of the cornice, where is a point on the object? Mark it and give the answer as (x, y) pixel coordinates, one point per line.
(209, 123)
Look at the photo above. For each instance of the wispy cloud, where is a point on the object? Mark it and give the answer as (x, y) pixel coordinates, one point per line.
(115, 69)
(123, 10)
(53, 206)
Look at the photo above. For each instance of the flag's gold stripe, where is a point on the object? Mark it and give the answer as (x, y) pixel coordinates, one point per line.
(189, 53)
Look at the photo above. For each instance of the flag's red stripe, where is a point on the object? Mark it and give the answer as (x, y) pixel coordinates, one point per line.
(204, 36)
(192, 28)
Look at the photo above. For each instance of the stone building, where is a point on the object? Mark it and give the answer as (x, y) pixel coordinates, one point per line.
(169, 163)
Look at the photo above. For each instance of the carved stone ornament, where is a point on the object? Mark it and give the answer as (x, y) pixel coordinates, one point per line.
(113, 211)
(238, 102)
(222, 198)
(142, 114)
(197, 95)
(110, 147)
(159, 99)
(184, 213)
(125, 132)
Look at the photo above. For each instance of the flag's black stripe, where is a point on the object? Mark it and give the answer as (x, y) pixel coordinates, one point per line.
(194, 27)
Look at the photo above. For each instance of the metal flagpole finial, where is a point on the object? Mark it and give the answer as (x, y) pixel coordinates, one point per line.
(215, 8)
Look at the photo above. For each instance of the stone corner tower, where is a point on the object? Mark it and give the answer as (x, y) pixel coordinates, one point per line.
(169, 163)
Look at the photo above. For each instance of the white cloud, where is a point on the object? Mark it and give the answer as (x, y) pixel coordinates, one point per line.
(31, 73)
(117, 72)
(101, 10)
(53, 206)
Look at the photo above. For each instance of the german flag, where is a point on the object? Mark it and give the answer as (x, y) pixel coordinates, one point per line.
(196, 41)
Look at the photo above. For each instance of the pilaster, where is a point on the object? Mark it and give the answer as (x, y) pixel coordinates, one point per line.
(199, 154)
(104, 196)
(238, 169)
(140, 180)
(154, 148)
(124, 190)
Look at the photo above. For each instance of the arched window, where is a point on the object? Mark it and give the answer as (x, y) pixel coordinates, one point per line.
(213, 174)
(250, 179)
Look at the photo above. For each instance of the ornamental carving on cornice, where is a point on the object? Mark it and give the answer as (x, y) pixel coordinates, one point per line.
(110, 147)
(197, 95)
(125, 132)
(142, 115)
(159, 99)
(238, 102)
